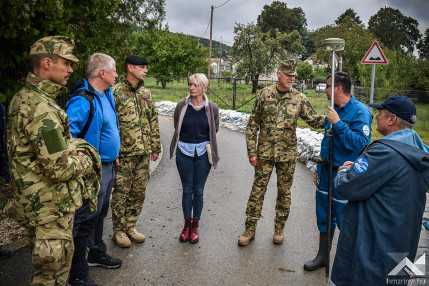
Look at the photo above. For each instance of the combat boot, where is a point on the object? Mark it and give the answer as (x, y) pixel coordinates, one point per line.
(321, 259)
(193, 234)
(121, 239)
(186, 231)
(278, 236)
(249, 233)
(135, 235)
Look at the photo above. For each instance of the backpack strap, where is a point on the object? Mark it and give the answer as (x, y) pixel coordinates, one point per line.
(90, 98)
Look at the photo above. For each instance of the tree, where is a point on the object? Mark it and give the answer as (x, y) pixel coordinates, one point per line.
(357, 39)
(171, 56)
(304, 71)
(423, 46)
(350, 13)
(277, 17)
(258, 53)
(396, 31)
(99, 25)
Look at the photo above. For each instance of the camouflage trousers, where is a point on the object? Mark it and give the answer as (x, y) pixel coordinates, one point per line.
(262, 176)
(129, 191)
(51, 239)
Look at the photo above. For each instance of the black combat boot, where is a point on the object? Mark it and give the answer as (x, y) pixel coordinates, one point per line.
(321, 258)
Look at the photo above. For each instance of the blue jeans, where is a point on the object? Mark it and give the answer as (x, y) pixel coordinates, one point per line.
(193, 173)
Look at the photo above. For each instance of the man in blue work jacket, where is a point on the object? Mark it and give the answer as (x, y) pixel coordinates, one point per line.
(351, 123)
(92, 116)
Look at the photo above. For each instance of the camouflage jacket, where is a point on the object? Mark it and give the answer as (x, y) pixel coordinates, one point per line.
(93, 178)
(46, 168)
(271, 129)
(138, 120)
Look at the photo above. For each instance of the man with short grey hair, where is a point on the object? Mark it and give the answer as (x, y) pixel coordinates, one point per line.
(92, 116)
(386, 192)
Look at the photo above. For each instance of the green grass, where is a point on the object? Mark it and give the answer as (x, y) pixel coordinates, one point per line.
(221, 93)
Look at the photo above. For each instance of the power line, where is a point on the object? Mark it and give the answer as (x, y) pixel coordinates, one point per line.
(205, 31)
(223, 4)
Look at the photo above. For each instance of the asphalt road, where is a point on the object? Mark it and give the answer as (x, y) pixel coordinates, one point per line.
(216, 259)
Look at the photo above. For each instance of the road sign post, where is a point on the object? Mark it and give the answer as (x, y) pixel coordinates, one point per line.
(374, 56)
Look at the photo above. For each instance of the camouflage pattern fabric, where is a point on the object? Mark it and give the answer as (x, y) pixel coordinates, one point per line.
(263, 172)
(129, 191)
(271, 137)
(138, 120)
(55, 45)
(92, 180)
(271, 129)
(48, 175)
(288, 67)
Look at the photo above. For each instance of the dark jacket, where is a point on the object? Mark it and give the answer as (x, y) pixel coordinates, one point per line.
(386, 189)
(212, 112)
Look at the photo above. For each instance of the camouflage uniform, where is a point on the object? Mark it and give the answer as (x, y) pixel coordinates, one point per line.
(46, 168)
(139, 129)
(271, 136)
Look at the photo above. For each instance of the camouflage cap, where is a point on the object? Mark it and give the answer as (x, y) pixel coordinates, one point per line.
(288, 67)
(55, 45)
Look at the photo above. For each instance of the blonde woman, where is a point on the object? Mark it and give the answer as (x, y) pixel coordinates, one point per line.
(196, 122)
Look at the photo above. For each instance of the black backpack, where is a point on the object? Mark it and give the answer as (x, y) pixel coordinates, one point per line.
(88, 96)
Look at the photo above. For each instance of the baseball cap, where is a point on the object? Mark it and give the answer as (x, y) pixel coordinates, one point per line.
(55, 45)
(288, 67)
(400, 105)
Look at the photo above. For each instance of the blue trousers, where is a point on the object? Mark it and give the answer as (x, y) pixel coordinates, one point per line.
(338, 204)
(193, 173)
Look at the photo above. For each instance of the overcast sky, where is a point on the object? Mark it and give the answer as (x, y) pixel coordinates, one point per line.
(192, 16)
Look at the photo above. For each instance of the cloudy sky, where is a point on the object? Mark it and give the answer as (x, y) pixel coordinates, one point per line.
(192, 16)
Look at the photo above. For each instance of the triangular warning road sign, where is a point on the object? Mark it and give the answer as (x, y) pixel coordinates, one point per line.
(374, 55)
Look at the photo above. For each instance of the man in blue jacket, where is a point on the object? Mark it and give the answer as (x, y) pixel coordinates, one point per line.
(351, 123)
(92, 116)
(386, 189)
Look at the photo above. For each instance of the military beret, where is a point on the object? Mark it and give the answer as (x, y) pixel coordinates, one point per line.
(288, 67)
(136, 60)
(55, 45)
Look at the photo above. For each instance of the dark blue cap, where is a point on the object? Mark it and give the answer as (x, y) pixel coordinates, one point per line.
(401, 106)
(136, 60)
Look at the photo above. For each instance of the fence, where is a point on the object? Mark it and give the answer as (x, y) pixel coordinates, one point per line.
(235, 93)
(363, 93)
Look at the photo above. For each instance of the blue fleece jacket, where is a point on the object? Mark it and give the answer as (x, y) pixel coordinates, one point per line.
(103, 132)
(351, 134)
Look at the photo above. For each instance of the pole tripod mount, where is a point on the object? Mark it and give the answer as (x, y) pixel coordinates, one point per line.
(334, 44)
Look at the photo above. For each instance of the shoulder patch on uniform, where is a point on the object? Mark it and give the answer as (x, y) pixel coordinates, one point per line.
(365, 130)
(361, 165)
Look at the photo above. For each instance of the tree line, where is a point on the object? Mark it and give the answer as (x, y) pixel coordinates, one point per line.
(115, 27)
(282, 32)
(121, 27)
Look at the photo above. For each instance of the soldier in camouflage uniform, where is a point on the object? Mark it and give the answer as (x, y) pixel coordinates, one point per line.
(271, 141)
(140, 142)
(46, 168)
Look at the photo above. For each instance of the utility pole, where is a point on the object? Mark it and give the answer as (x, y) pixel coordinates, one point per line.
(210, 42)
